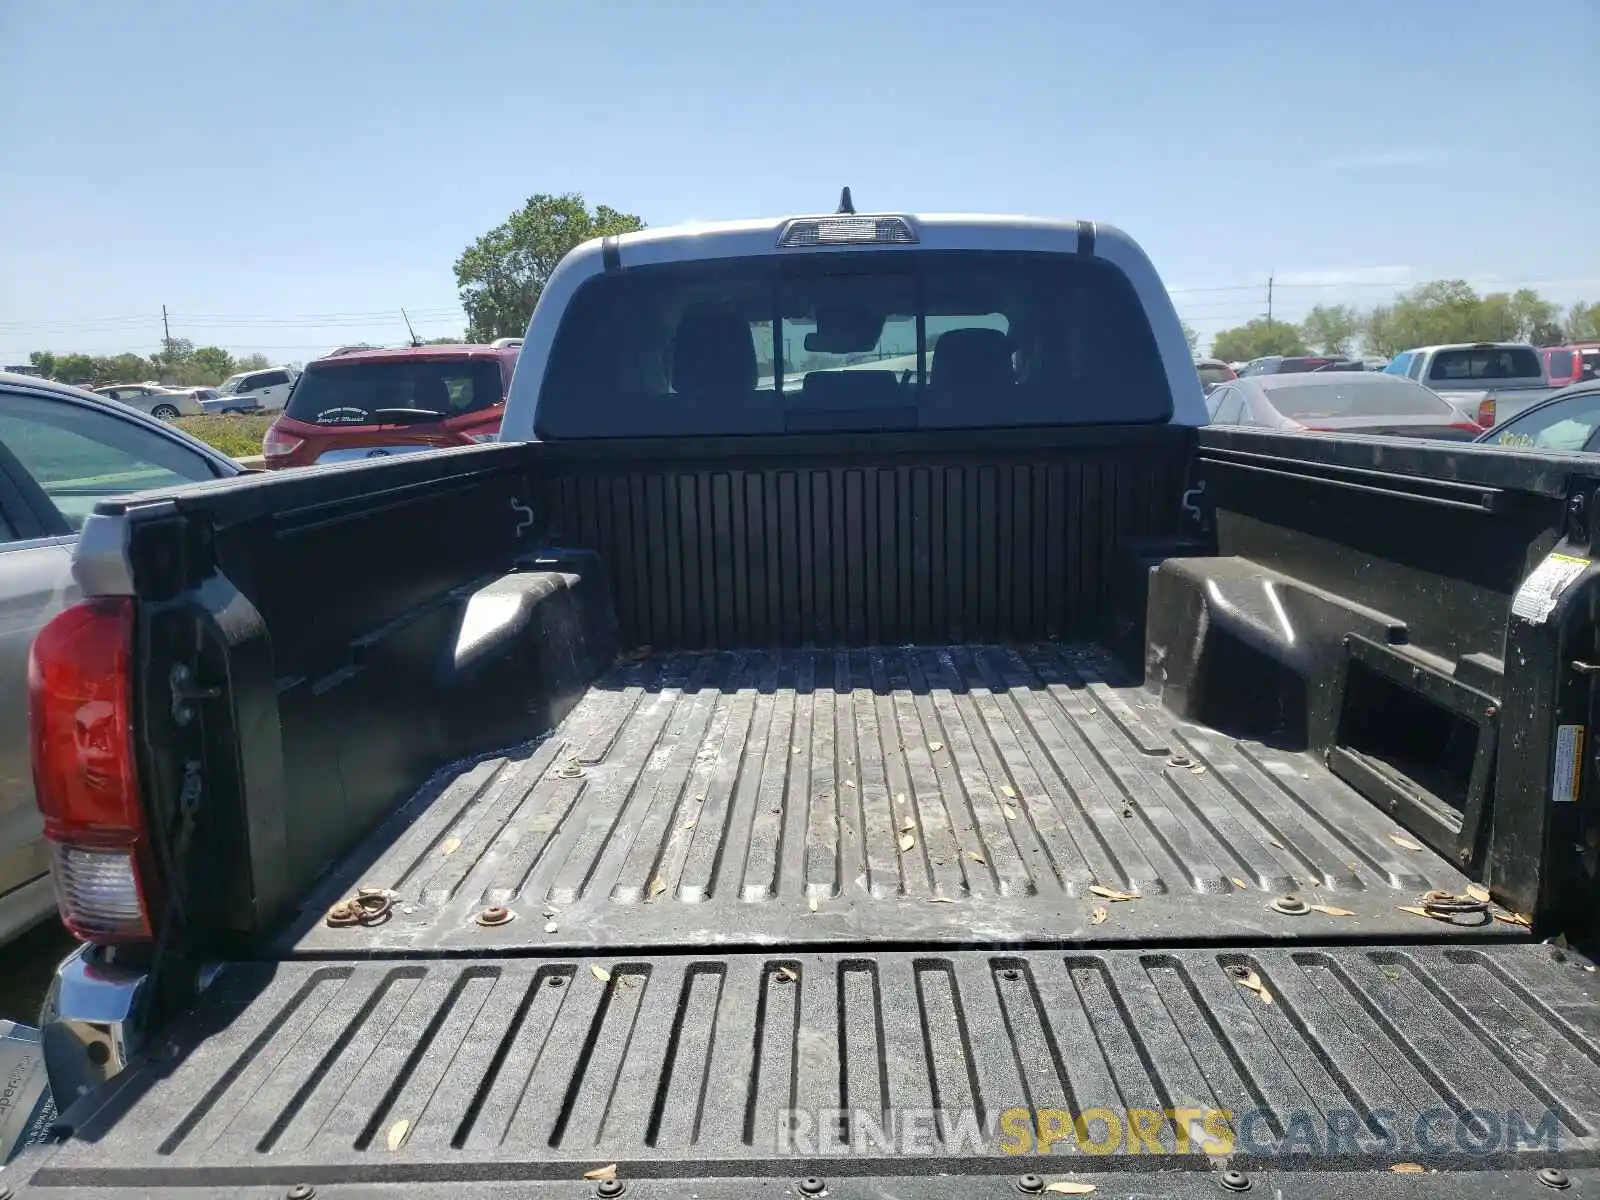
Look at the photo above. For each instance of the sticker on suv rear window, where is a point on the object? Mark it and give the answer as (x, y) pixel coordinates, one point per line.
(1536, 598)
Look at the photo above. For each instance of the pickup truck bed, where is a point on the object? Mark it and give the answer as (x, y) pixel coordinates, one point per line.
(679, 1069)
(690, 799)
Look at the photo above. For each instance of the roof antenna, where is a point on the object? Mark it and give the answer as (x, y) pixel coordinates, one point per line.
(846, 205)
(415, 340)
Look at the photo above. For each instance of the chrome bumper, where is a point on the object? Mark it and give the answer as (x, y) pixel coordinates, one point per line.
(91, 1021)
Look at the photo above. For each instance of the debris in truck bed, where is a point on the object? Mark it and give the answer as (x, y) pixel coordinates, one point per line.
(721, 774)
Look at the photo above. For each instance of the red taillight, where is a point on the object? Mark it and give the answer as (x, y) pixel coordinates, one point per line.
(1467, 427)
(79, 706)
(1486, 412)
(277, 444)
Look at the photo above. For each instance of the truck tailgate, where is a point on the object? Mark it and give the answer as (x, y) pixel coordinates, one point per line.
(907, 795)
(703, 1073)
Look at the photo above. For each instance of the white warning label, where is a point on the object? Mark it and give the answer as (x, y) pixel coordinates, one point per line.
(1568, 773)
(1536, 598)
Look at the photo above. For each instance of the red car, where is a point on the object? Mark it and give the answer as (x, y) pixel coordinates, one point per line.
(1577, 363)
(376, 403)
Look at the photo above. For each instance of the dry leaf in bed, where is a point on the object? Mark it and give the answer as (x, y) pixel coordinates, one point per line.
(600, 973)
(908, 825)
(849, 783)
(1197, 769)
(450, 845)
(1011, 813)
(689, 824)
(397, 1134)
(788, 973)
(936, 746)
(657, 886)
(811, 903)
(1240, 884)
(1509, 917)
(976, 857)
(906, 842)
(1009, 792)
(1404, 843)
(1098, 915)
(609, 1171)
(1330, 910)
(1068, 1187)
(1408, 1168)
(1275, 842)
(1106, 893)
(550, 928)
(1253, 983)
(940, 900)
(1480, 894)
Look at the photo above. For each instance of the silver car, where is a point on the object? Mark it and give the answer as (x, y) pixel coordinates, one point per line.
(61, 450)
(165, 403)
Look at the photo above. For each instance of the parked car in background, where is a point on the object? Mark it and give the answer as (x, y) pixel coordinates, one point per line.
(379, 403)
(1281, 364)
(1213, 371)
(1338, 402)
(167, 404)
(1485, 382)
(1566, 365)
(62, 449)
(267, 389)
(1568, 420)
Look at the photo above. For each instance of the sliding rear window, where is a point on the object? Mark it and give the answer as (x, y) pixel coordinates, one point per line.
(1485, 363)
(397, 391)
(852, 341)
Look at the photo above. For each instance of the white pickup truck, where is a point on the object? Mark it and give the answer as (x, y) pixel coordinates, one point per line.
(1485, 382)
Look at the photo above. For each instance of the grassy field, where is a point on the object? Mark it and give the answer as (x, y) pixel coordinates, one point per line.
(238, 435)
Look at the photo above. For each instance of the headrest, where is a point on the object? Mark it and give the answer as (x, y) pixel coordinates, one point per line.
(713, 352)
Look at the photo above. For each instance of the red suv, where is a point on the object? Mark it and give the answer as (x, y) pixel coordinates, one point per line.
(376, 403)
(1577, 363)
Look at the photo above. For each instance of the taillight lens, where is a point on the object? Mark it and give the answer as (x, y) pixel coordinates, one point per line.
(1486, 412)
(79, 707)
(276, 444)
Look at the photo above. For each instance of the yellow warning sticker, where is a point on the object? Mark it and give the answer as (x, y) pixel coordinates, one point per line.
(1568, 772)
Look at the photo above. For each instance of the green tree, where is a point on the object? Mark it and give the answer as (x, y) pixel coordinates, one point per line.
(1583, 322)
(208, 365)
(76, 368)
(172, 358)
(501, 274)
(252, 362)
(1257, 338)
(444, 341)
(1189, 335)
(123, 368)
(45, 362)
(1331, 328)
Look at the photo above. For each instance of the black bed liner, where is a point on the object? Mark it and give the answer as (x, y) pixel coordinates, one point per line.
(875, 797)
(686, 1067)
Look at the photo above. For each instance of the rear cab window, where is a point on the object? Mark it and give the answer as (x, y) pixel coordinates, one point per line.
(1559, 363)
(395, 391)
(1470, 364)
(870, 340)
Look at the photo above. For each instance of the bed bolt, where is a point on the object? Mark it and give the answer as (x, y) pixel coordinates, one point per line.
(1491, 711)
(1031, 1184)
(1236, 1181)
(813, 1185)
(300, 1191)
(1554, 1177)
(610, 1187)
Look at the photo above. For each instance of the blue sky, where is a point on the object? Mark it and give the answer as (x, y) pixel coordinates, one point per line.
(285, 176)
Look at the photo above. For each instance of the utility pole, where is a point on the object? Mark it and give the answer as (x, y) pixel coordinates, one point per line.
(166, 332)
(1269, 299)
